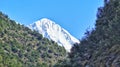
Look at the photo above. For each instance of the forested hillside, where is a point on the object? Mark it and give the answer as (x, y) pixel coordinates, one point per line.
(21, 47)
(101, 46)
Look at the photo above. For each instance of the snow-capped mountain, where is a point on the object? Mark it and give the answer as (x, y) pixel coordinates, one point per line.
(53, 31)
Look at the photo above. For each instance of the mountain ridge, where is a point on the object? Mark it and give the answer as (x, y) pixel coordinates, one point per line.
(55, 32)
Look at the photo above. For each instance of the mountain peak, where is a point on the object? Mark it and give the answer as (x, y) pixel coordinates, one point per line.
(53, 31)
(45, 19)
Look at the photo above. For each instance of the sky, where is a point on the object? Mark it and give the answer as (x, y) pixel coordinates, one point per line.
(76, 16)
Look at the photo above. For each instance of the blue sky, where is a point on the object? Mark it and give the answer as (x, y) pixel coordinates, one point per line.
(74, 15)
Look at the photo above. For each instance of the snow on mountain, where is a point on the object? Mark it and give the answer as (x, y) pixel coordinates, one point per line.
(53, 31)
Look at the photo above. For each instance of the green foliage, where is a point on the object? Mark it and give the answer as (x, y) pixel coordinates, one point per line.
(21, 47)
(101, 46)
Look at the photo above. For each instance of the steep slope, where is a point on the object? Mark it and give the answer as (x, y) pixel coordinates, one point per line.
(21, 47)
(53, 31)
(101, 46)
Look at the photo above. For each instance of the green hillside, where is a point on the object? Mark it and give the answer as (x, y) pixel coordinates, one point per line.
(101, 46)
(21, 47)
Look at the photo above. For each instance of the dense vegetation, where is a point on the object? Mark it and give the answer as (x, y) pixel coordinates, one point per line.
(21, 47)
(101, 46)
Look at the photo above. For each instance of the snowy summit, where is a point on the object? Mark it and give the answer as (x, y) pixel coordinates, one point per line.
(53, 31)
